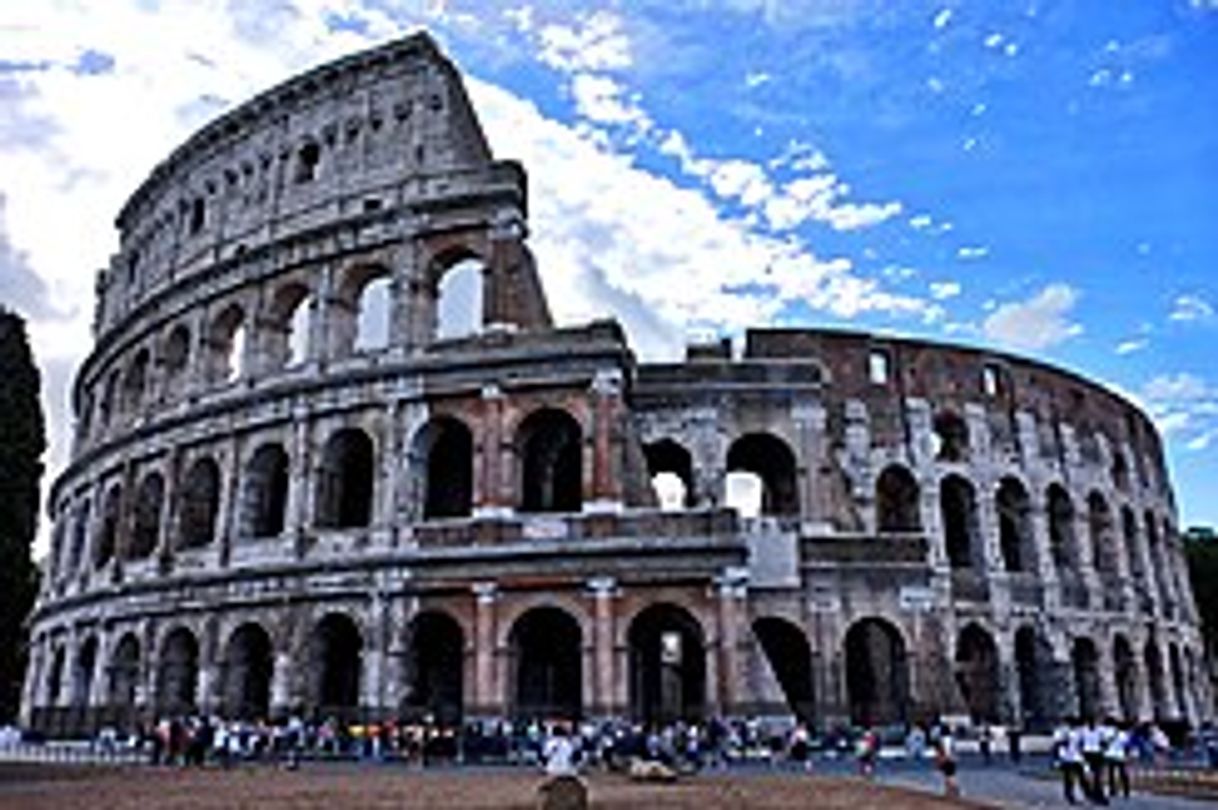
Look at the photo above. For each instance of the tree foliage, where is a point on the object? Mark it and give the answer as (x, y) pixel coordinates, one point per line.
(22, 443)
(1201, 550)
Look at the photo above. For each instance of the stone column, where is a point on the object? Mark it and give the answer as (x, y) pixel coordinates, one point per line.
(491, 496)
(604, 677)
(300, 492)
(732, 587)
(815, 508)
(487, 700)
(604, 485)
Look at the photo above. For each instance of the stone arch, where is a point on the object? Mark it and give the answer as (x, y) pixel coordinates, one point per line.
(667, 457)
(950, 437)
(84, 671)
(1034, 665)
(80, 535)
(458, 275)
(199, 504)
(125, 672)
(435, 663)
(1125, 673)
(550, 449)
(444, 449)
(546, 646)
(108, 402)
(958, 508)
(177, 673)
(786, 648)
(135, 381)
(771, 459)
(667, 665)
(877, 673)
(898, 500)
(175, 353)
(265, 496)
(1015, 537)
(364, 319)
(1153, 664)
(249, 664)
(346, 480)
(1176, 667)
(226, 344)
(1133, 552)
(146, 526)
(285, 329)
(107, 536)
(1085, 662)
(977, 673)
(1062, 541)
(1120, 471)
(1100, 527)
(54, 679)
(335, 658)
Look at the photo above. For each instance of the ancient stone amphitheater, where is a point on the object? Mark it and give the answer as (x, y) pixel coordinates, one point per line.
(304, 479)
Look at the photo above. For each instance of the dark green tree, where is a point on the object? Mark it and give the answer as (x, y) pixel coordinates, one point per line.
(22, 442)
(1201, 550)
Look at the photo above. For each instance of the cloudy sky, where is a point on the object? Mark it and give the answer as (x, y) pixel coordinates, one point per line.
(1038, 176)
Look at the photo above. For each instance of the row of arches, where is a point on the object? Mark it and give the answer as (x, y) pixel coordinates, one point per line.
(550, 461)
(245, 338)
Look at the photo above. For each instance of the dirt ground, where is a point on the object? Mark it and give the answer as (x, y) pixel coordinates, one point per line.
(332, 788)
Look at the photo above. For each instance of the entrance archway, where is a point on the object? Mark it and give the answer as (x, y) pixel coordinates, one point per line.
(786, 648)
(434, 677)
(667, 666)
(1033, 661)
(178, 673)
(1085, 660)
(247, 676)
(547, 649)
(337, 650)
(977, 673)
(1125, 668)
(877, 673)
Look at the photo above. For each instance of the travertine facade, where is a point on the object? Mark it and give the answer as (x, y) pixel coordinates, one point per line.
(299, 484)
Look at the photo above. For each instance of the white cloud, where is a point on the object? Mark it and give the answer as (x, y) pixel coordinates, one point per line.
(943, 290)
(596, 43)
(756, 79)
(920, 221)
(1131, 346)
(994, 40)
(1185, 408)
(1191, 308)
(1037, 323)
(941, 19)
(603, 100)
(968, 252)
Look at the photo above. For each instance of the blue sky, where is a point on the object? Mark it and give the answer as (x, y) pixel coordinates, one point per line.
(1038, 176)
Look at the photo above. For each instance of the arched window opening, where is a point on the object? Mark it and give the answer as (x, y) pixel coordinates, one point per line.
(1179, 704)
(337, 651)
(877, 674)
(1133, 551)
(1061, 529)
(1015, 527)
(249, 663)
(227, 345)
(1085, 661)
(977, 674)
(198, 215)
(266, 492)
(770, 459)
(345, 483)
(136, 381)
(1099, 523)
(298, 326)
(550, 447)
(109, 399)
(125, 672)
(787, 651)
(1034, 664)
(107, 538)
(178, 674)
(307, 160)
(176, 353)
(958, 505)
(459, 304)
(667, 666)
(547, 651)
(146, 531)
(898, 501)
(84, 671)
(54, 682)
(950, 437)
(671, 469)
(1158, 560)
(1120, 471)
(1153, 660)
(374, 312)
(447, 447)
(284, 331)
(199, 504)
(434, 670)
(1125, 670)
(80, 536)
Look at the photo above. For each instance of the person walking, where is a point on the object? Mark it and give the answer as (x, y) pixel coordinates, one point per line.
(945, 761)
(1116, 758)
(1093, 756)
(1067, 745)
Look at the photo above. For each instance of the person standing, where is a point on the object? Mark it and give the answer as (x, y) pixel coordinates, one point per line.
(1067, 743)
(945, 761)
(1116, 757)
(1093, 757)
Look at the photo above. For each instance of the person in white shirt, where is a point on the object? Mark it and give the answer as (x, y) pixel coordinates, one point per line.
(558, 753)
(1067, 741)
(1116, 758)
(1092, 743)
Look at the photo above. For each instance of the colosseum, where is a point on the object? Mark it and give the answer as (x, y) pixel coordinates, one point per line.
(332, 457)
